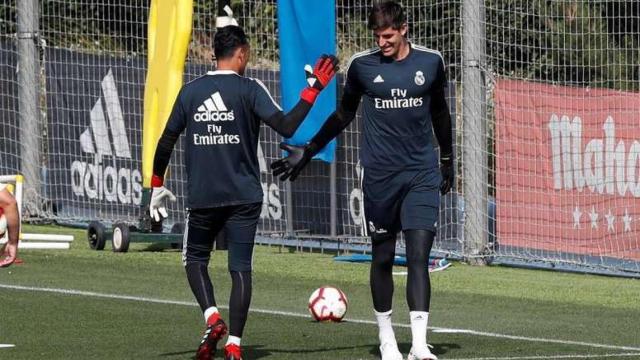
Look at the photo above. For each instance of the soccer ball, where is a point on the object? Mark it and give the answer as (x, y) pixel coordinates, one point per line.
(3, 223)
(328, 303)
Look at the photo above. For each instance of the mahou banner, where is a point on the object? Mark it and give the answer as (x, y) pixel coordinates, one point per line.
(568, 169)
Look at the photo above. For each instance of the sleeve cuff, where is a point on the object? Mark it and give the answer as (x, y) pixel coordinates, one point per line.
(309, 95)
(156, 181)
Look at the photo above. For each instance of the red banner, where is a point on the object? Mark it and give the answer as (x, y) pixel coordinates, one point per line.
(568, 169)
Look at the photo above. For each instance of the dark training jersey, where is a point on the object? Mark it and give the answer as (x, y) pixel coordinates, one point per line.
(221, 113)
(397, 128)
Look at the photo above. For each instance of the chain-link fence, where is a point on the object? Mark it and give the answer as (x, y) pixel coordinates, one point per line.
(544, 96)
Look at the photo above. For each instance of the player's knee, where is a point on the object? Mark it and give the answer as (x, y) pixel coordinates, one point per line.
(240, 266)
(383, 239)
(383, 250)
(240, 257)
(196, 255)
(419, 244)
(417, 256)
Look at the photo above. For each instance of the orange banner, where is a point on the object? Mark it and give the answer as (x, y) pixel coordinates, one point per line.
(568, 169)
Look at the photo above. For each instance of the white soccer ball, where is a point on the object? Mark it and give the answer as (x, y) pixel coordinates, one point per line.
(328, 303)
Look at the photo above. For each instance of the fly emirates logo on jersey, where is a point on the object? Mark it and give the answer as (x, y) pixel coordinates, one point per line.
(214, 112)
(398, 100)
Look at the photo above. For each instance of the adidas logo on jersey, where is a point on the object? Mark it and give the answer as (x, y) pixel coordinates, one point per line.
(213, 109)
(378, 79)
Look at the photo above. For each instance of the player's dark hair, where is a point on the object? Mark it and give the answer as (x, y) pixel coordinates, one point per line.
(227, 40)
(386, 14)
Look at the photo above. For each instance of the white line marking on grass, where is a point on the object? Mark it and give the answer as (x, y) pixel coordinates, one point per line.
(6, 346)
(550, 357)
(524, 338)
(292, 314)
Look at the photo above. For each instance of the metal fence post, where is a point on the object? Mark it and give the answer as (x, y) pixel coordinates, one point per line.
(333, 178)
(475, 166)
(28, 90)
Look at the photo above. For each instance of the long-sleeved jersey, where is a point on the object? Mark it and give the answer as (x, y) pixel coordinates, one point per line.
(397, 127)
(220, 114)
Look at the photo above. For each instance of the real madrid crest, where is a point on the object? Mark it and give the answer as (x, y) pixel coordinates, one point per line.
(419, 79)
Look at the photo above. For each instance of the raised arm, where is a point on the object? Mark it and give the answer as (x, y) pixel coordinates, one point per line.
(317, 79)
(299, 156)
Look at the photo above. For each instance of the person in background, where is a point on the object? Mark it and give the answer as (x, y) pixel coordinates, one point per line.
(9, 207)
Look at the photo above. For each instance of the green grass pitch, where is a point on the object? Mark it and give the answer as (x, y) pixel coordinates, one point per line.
(85, 304)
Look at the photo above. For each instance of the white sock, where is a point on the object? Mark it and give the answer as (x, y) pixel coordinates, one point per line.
(210, 311)
(385, 330)
(419, 321)
(233, 340)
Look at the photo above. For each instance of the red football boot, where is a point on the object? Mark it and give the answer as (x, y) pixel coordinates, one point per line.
(232, 352)
(216, 330)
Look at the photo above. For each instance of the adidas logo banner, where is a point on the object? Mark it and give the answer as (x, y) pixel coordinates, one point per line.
(94, 117)
(108, 175)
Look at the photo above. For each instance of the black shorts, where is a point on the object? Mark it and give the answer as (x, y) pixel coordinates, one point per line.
(400, 200)
(239, 223)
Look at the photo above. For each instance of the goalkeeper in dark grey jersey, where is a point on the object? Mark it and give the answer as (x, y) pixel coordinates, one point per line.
(401, 85)
(220, 114)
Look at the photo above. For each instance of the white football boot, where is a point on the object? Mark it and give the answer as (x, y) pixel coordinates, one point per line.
(389, 351)
(421, 354)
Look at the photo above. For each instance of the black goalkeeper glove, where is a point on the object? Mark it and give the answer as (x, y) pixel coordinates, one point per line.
(448, 174)
(291, 166)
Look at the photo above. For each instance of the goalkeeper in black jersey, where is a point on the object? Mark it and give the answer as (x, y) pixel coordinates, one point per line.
(402, 90)
(220, 114)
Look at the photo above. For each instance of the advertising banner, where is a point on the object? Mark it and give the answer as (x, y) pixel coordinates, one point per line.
(567, 169)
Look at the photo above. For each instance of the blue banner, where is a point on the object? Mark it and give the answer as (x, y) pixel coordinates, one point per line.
(307, 29)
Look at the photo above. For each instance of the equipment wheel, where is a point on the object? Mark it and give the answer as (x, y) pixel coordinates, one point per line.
(96, 235)
(120, 240)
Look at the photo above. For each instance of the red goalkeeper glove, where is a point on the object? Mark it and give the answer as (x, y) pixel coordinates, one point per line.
(318, 77)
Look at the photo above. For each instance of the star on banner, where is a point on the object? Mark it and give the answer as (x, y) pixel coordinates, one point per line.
(627, 220)
(576, 218)
(610, 220)
(594, 218)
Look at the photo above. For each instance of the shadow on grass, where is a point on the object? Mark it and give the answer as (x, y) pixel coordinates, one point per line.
(257, 351)
(249, 352)
(438, 349)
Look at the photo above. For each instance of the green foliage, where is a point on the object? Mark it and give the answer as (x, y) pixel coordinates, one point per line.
(7, 19)
(580, 43)
(562, 42)
(117, 26)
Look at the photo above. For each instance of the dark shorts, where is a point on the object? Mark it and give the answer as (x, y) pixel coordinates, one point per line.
(239, 223)
(400, 200)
